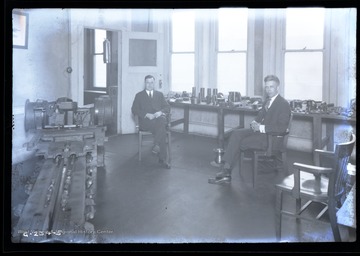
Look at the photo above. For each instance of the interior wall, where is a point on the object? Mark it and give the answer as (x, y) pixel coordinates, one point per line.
(109, 19)
(56, 43)
(342, 60)
(39, 72)
(268, 60)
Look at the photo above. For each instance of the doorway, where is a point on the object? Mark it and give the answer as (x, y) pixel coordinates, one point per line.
(101, 69)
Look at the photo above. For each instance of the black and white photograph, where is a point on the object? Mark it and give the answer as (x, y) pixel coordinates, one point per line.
(216, 127)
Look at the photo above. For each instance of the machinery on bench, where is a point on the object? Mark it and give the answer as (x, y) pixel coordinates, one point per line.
(69, 141)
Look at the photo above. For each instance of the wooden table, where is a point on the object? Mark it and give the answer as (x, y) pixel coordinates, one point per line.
(319, 141)
(317, 119)
(221, 113)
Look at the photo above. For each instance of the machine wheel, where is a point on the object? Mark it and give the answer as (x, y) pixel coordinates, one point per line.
(29, 115)
(100, 156)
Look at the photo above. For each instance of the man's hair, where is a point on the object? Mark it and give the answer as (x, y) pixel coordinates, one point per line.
(148, 77)
(272, 78)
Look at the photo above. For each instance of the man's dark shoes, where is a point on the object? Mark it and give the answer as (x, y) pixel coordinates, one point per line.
(223, 173)
(215, 164)
(223, 180)
(156, 149)
(164, 164)
(222, 177)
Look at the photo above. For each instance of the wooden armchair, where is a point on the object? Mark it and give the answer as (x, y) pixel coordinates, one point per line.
(316, 185)
(276, 151)
(143, 134)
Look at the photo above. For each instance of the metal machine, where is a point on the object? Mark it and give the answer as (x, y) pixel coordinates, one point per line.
(69, 143)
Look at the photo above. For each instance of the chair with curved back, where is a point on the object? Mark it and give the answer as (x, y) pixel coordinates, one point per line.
(313, 184)
(276, 151)
(143, 134)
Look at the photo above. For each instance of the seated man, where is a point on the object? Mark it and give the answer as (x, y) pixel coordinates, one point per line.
(274, 117)
(151, 108)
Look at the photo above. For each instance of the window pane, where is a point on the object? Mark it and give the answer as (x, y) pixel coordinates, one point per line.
(183, 31)
(303, 75)
(232, 29)
(100, 36)
(231, 72)
(182, 72)
(305, 28)
(99, 72)
(142, 52)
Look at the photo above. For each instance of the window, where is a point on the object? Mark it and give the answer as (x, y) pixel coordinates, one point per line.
(232, 50)
(182, 50)
(226, 53)
(99, 65)
(303, 55)
(142, 52)
(95, 68)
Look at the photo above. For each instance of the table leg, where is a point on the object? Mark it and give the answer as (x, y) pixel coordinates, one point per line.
(241, 120)
(330, 136)
(186, 119)
(317, 134)
(221, 128)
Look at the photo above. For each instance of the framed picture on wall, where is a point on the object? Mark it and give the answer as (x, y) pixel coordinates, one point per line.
(20, 29)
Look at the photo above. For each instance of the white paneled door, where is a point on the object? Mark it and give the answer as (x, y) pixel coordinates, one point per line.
(142, 54)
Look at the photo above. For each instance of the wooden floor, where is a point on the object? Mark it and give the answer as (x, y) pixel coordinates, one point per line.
(140, 202)
(142, 206)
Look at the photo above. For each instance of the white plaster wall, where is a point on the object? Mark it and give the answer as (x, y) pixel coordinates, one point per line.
(56, 42)
(109, 19)
(39, 72)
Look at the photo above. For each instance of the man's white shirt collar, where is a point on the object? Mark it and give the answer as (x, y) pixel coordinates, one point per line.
(272, 99)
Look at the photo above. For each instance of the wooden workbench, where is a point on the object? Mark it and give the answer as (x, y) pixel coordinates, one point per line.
(319, 140)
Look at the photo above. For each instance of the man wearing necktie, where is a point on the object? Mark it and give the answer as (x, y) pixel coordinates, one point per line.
(267, 104)
(151, 108)
(273, 117)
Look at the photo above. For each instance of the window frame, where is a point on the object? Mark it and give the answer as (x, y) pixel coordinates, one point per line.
(217, 52)
(172, 52)
(205, 73)
(266, 58)
(325, 55)
(89, 56)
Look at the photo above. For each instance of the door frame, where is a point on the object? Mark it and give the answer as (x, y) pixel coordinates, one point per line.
(132, 78)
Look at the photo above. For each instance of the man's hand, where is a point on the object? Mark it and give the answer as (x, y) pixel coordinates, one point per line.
(255, 126)
(157, 114)
(150, 116)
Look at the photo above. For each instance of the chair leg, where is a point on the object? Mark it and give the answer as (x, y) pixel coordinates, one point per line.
(284, 162)
(140, 144)
(169, 148)
(241, 161)
(298, 205)
(278, 209)
(255, 166)
(333, 222)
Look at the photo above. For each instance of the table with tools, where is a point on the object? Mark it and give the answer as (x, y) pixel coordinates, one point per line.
(319, 140)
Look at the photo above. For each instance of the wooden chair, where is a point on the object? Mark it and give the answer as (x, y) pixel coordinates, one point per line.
(317, 185)
(276, 151)
(143, 134)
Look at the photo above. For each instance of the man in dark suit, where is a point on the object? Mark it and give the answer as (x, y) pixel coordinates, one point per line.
(151, 108)
(273, 117)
